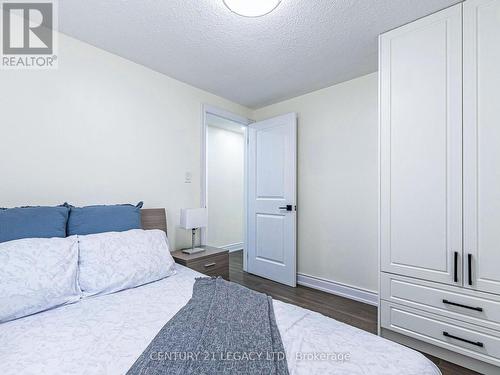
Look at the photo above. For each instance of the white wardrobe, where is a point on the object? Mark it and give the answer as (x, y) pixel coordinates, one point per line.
(440, 184)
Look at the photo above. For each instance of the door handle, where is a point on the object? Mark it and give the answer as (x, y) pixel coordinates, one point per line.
(469, 261)
(455, 262)
(288, 207)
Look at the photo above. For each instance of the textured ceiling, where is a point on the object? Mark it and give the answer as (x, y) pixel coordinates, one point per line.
(302, 46)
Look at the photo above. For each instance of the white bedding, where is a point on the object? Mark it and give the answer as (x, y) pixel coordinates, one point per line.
(106, 334)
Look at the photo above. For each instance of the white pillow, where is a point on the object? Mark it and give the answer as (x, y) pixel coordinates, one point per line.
(113, 261)
(37, 274)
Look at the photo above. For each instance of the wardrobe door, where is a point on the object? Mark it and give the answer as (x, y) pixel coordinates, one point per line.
(421, 148)
(482, 145)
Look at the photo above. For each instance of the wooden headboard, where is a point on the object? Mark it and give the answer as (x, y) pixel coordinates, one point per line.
(154, 218)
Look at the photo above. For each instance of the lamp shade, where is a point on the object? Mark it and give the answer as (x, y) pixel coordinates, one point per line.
(192, 218)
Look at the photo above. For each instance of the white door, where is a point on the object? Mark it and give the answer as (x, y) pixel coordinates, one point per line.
(272, 176)
(421, 148)
(482, 145)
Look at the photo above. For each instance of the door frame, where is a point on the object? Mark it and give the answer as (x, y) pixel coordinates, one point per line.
(210, 109)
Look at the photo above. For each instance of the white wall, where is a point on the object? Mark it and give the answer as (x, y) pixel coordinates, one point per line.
(225, 167)
(101, 129)
(337, 181)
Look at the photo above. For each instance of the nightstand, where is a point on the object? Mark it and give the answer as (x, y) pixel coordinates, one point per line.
(212, 262)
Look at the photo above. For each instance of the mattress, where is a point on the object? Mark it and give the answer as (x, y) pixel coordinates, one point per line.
(106, 334)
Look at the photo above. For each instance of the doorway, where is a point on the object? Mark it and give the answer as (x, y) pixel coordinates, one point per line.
(224, 147)
(249, 177)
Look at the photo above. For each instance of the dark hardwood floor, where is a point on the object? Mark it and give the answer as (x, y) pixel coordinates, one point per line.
(355, 313)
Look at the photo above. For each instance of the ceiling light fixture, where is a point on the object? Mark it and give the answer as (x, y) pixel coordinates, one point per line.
(252, 8)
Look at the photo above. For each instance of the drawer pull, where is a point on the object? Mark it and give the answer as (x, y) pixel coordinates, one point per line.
(464, 306)
(210, 265)
(480, 344)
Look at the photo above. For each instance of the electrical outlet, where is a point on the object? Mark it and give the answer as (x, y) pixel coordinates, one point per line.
(188, 177)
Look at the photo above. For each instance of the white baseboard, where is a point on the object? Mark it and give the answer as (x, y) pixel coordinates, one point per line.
(233, 247)
(347, 291)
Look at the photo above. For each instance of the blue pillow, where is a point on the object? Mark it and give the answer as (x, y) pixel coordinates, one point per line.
(100, 219)
(33, 222)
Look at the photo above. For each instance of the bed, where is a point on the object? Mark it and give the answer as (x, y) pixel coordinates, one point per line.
(106, 334)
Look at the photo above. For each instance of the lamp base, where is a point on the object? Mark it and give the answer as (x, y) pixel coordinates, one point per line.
(193, 251)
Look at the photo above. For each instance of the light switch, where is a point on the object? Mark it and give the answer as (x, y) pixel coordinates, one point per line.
(188, 177)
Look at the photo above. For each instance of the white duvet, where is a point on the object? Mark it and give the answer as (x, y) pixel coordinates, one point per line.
(106, 334)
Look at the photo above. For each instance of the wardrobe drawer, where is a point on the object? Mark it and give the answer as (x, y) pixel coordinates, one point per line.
(454, 302)
(467, 339)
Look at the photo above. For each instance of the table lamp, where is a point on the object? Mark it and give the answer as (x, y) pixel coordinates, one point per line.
(193, 218)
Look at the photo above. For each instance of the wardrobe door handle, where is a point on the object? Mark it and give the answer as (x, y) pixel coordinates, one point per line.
(469, 261)
(480, 309)
(455, 262)
(477, 343)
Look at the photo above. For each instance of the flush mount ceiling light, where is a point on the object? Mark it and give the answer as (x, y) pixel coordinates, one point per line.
(252, 8)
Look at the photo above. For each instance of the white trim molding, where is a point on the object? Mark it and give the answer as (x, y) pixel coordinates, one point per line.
(233, 246)
(333, 287)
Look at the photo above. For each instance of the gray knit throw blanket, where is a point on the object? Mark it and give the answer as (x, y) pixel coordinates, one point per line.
(223, 329)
